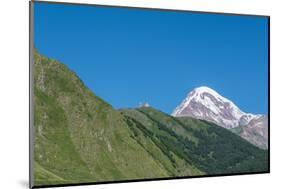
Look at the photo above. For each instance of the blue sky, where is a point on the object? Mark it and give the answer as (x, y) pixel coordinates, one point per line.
(128, 56)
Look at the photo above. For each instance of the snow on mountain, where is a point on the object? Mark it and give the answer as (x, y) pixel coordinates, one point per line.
(205, 103)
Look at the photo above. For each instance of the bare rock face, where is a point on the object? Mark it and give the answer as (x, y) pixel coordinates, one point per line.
(206, 104)
(256, 132)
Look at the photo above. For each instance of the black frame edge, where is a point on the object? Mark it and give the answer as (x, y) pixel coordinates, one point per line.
(153, 179)
(146, 8)
(268, 79)
(31, 51)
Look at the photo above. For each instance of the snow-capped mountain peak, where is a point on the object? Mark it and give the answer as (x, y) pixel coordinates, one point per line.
(205, 103)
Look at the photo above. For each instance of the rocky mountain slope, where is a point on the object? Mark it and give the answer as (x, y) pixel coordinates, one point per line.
(79, 138)
(256, 131)
(206, 104)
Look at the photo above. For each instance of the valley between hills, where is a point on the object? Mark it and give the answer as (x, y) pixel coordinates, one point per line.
(80, 138)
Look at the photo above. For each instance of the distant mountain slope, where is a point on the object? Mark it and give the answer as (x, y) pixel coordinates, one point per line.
(212, 149)
(256, 131)
(206, 104)
(80, 138)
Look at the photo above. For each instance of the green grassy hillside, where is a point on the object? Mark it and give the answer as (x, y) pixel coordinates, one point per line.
(210, 148)
(80, 138)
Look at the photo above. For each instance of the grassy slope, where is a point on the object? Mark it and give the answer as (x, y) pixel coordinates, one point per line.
(80, 138)
(212, 149)
(175, 161)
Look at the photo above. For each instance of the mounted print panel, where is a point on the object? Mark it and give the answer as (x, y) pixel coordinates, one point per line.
(121, 94)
